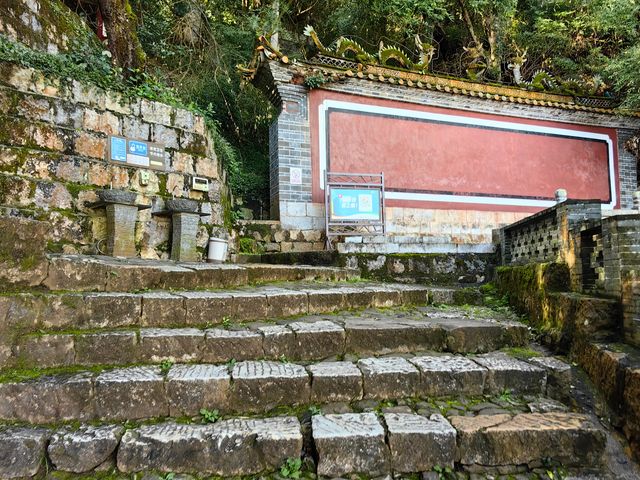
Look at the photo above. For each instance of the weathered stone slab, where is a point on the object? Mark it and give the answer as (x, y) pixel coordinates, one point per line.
(357, 296)
(325, 300)
(317, 340)
(229, 448)
(108, 348)
(76, 273)
(176, 344)
(206, 308)
(48, 399)
(418, 444)
(109, 310)
(413, 294)
(335, 382)
(260, 386)
(449, 375)
(84, 449)
(381, 336)
(507, 373)
(570, 439)
(46, 351)
(278, 341)
(250, 305)
(383, 296)
(350, 443)
(162, 309)
(389, 377)
(286, 303)
(559, 376)
(193, 387)
(222, 345)
(22, 452)
(466, 335)
(130, 394)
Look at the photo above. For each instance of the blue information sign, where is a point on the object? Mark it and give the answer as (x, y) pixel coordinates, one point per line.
(355, 204)
(138, 148)
(118, 149)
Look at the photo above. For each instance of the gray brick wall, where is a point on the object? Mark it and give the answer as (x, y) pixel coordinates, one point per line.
(290, 147)
(628, 170)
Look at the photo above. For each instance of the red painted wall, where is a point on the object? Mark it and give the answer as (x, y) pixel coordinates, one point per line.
(425, 157)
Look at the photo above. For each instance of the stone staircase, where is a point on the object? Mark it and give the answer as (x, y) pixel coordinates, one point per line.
(111, 369)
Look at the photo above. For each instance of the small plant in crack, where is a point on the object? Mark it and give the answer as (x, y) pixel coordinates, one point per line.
(444, 473)
(291, 468)
(226, 323)
(210, 416)
(165, 366)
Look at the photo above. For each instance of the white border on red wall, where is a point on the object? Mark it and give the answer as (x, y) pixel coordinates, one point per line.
(460, 120)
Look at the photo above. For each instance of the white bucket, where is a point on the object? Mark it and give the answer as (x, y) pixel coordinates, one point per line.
(217, 250)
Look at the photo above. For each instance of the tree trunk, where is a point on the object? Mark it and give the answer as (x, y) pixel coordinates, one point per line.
(120, 25)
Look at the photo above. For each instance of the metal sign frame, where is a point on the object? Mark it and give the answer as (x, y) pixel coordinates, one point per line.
(354, 181)
(155, 154)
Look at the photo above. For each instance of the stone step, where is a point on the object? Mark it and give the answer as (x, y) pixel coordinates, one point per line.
(31, 312)
(343, 444)
(143, 392)
(308, 338)
(108, 274)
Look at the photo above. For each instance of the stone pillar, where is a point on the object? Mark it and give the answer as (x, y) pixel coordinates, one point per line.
(185, 231)
(121, 229)
(621, 251)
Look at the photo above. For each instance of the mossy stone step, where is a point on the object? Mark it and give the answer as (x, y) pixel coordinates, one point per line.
(107, 274)
(143, 392)
(309, 338)
(350, 443)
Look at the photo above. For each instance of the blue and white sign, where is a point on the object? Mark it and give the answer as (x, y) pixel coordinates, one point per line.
(138, 148)
(355, 204)
(137, 153)
(118, 149)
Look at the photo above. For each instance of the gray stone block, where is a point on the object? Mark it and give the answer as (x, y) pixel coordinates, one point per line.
(335, 382)
(389, 377)
(418, 444)
(229, 448)
(325, 300)
(175, 344)
(85, 449)
(261, 386)
(466, 335)
(208, 308)
(317, 340)
(193, 387)
(381, 336)
(448, 375)
(507, 373)
(162, 309)
(569, 439)
(22, 451)
(130, 394)
(250, 305)
(559, 376)
(183, 240)
(278, 341)
(286, 303)
(108, 310)
(121, 226)
(48, 399)
(350, 443)
(108, 348)
(413, 294)
(46, 351)
(223, 345)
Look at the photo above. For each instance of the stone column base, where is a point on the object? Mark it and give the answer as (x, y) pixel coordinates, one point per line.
(121, 229)
(185, 230)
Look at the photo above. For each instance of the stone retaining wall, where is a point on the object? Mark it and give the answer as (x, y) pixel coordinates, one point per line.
(53, 141)
(586, 328)
(268, 236)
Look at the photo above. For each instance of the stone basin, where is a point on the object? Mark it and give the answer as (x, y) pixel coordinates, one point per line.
(183, 205)
(122, 197)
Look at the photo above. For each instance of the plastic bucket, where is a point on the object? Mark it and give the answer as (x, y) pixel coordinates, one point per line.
(217, 250)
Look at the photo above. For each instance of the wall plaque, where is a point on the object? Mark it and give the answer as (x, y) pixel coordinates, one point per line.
(136, 153)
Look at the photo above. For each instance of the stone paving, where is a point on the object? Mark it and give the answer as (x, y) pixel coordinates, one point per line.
(309, 338)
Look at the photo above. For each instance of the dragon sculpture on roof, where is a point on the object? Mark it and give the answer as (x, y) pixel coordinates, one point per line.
(387, 56)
